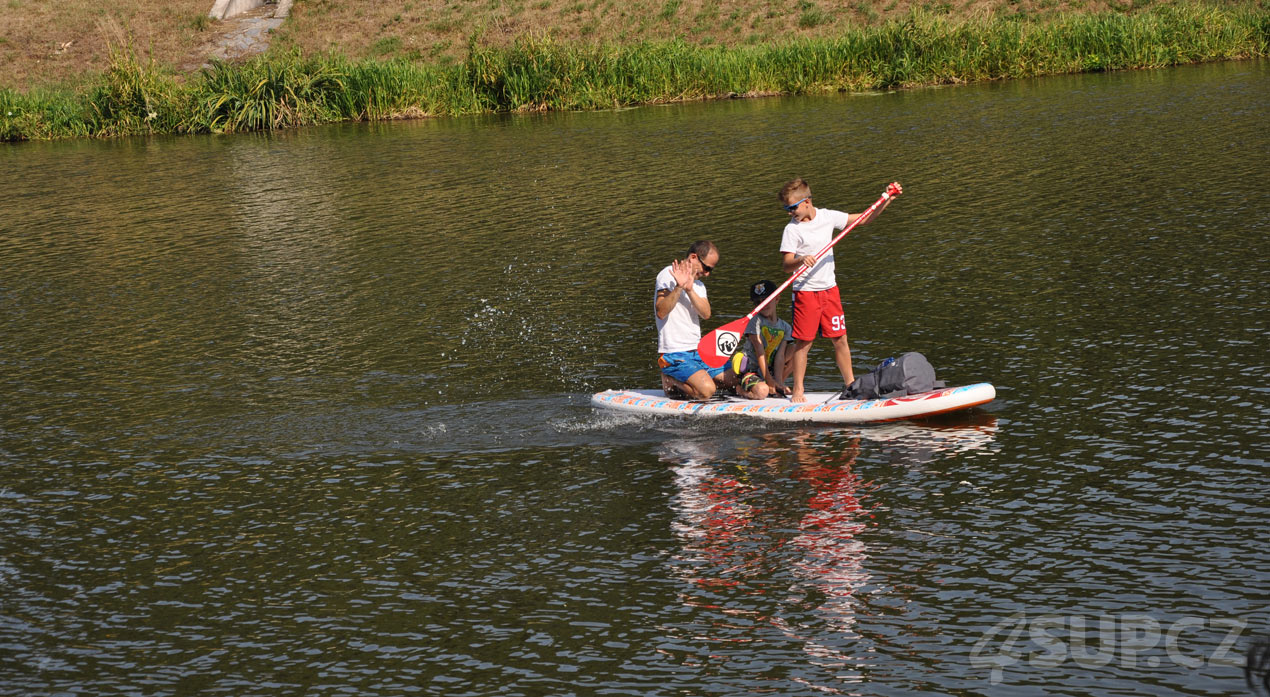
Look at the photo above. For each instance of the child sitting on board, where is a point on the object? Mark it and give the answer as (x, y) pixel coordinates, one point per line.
(763, 349)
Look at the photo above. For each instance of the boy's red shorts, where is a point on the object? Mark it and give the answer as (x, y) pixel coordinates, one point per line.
(818, 310)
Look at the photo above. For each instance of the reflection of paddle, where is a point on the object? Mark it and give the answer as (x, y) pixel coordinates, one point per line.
(719, 345)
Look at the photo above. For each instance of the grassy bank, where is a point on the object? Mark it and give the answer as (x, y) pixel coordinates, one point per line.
(288, 89)
(54, 43)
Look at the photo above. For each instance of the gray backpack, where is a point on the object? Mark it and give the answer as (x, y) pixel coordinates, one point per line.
(909, 374)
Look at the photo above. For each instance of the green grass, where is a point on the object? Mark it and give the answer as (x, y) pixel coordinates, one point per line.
(386, 46)
(813, 17)
(285, 89)
(866, 10)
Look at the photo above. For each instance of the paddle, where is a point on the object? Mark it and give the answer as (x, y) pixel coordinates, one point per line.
(719, 345)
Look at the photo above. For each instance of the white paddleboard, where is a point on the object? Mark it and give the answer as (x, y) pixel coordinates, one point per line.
(821, 407)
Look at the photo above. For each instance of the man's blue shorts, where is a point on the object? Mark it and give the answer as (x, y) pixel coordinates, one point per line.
(681, 365)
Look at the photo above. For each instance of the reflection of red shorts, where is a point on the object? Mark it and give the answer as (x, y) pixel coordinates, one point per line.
(818, 309)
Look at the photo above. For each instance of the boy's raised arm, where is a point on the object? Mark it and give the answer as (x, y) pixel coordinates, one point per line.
(892, 189)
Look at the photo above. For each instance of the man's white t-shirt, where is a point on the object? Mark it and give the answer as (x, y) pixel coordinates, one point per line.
(681, 330)
(810, 237)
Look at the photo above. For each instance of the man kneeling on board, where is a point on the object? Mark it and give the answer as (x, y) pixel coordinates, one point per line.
(679, 305)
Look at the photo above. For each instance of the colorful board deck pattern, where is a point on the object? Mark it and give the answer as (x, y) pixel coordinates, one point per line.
(820, 407)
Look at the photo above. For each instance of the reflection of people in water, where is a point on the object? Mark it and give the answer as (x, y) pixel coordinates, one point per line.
(828, 533)
(741, 534)
(773, 551)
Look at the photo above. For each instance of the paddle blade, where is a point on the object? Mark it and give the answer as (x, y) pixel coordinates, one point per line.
(719, 345)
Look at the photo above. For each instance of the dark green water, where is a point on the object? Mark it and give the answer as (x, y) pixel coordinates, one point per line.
(307, 413)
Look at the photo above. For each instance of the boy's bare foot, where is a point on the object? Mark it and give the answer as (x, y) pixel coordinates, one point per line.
(797, 397)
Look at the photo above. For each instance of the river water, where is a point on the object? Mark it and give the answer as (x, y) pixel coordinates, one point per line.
(307, 412)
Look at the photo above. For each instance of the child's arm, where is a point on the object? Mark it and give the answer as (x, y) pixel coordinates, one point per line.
(791, 262)
(776, 382)
(851, 217)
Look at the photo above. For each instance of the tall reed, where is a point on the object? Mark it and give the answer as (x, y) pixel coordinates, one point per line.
(285, 89)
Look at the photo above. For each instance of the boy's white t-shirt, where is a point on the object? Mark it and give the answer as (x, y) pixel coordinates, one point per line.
(811, 237)
(681, 330)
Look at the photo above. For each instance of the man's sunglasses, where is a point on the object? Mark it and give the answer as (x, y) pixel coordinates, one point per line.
(704, 266)
(792, 206)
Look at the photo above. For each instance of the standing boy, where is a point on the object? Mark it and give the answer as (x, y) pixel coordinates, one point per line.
(679, 305)
(817, 304)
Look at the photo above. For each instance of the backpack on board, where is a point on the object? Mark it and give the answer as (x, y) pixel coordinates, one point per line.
(909, 374)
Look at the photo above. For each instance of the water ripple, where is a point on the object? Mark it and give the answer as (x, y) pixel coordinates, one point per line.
(307, 413)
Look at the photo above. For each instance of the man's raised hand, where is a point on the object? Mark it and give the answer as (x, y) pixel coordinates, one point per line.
(681, 270)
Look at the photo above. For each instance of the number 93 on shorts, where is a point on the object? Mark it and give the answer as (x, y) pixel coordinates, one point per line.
(818, 311)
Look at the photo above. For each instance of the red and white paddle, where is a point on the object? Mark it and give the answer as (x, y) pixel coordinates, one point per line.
(719, 345)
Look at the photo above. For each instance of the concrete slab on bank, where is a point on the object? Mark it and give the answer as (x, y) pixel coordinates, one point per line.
(227, 9)
(248, 26)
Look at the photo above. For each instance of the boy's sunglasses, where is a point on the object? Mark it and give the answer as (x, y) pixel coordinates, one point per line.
(792, 206)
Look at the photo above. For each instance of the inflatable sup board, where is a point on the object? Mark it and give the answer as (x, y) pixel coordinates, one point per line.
(820, 407)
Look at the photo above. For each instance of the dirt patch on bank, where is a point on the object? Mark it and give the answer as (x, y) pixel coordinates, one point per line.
(45, 42)
(50, 43)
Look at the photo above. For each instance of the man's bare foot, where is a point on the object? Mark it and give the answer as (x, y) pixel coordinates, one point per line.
(797, 397)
